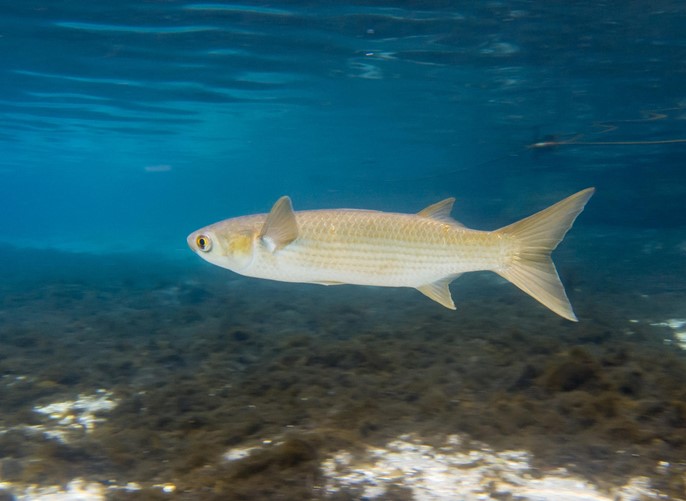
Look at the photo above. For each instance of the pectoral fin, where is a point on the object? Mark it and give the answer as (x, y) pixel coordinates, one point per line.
(439, 291)
(281, 227)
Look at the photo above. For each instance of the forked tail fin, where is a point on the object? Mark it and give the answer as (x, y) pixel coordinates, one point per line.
(531, 268)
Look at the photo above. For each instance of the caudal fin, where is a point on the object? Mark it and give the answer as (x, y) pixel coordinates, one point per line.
(531, 268)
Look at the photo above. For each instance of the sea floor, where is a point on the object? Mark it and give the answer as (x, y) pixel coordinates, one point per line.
(135, 377)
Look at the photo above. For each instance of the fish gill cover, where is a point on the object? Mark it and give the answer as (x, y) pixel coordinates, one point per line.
(129, 368)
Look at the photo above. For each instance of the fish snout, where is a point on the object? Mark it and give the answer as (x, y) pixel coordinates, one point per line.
(190, 240)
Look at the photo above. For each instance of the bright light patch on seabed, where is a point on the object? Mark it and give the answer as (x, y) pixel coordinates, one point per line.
(66, 421)
(76, 415)
(460, 469)
(450, 473)
(678, 325)
(76, 490)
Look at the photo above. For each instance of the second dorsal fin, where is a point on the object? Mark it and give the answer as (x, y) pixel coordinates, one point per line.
(440, 211)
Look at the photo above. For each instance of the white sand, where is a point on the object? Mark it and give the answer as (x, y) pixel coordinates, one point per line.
(451, 473)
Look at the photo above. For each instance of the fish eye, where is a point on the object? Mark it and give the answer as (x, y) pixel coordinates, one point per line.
(203, 242)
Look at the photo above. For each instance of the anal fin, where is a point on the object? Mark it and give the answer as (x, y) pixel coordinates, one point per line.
(439, 291)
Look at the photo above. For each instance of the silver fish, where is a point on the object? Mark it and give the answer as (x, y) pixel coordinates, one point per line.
(427, 250)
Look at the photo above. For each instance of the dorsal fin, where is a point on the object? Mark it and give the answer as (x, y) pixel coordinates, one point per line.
(280, 228)
(440, 211)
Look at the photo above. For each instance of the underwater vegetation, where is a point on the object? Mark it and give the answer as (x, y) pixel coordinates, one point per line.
(167, 377)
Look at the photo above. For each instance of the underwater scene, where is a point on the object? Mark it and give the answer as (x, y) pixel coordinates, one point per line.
(313, 351)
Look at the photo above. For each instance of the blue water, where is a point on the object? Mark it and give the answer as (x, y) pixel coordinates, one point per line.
(126, 125)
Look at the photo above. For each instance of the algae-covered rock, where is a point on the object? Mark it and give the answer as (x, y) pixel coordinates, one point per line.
(576, 369)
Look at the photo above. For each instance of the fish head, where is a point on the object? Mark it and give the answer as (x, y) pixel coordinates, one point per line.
(229, 244)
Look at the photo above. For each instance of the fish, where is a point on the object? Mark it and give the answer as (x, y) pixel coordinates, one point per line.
(426, 250)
